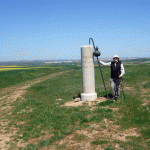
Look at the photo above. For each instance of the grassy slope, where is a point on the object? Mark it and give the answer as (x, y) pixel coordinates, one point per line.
(13, 77)
(49, 116)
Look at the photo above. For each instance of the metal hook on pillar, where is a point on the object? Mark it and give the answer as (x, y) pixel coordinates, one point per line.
(92, 41)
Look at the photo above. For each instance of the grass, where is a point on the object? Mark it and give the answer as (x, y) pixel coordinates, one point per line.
(99, 142)
(61, 122)
(79, 137)
(105, 103)
(13, 77)
(147, 85)
(46, 115)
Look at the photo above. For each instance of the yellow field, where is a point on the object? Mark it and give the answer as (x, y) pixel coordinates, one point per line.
(10, 66)
(7, 68)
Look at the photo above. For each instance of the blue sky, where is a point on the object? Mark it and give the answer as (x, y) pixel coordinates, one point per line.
(56, 29)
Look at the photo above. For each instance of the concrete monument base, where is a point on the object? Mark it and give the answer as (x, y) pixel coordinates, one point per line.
(88, 96)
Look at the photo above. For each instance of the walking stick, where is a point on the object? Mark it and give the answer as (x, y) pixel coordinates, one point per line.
(102, 77)
(122, 89)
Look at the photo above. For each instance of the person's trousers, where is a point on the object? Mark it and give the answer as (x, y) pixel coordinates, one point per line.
(115, 87)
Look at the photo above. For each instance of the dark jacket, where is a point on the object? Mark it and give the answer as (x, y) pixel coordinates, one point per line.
(115, 71)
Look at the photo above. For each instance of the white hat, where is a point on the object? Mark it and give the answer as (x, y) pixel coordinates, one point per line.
(115, 56)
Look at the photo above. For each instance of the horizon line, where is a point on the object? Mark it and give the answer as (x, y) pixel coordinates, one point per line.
(71, 59)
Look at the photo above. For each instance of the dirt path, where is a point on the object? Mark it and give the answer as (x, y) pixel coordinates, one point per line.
(9, 95)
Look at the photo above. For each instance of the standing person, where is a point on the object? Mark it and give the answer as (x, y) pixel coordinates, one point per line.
(117, 71)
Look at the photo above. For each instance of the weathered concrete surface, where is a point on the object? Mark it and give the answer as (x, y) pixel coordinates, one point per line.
(88, 77)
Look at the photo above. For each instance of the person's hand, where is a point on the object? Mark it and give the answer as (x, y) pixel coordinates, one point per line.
(98, 60)
(120, 76)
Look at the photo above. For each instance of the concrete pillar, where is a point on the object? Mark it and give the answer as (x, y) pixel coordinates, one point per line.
(88, 77)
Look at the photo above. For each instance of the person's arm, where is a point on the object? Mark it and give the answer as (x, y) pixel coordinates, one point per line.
(122, 71)
(105, 64)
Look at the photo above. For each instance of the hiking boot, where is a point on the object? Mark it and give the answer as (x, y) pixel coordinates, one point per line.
(113, 98)
(116, 98)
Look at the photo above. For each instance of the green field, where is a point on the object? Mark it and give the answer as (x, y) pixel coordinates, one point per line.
(42, 122)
